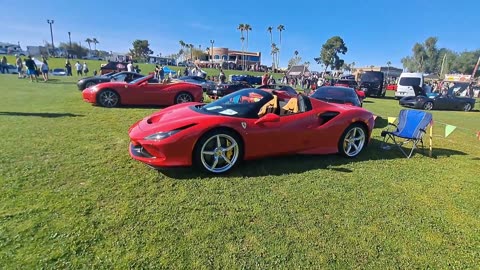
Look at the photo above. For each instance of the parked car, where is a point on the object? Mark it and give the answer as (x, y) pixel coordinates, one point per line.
(205, 84)
(247, 124)
(11, 69)
(252, 80)
(279, 87)
(406, 83)
(59, 72)
(337, 94)
(142, 91)
(449, 101)
(351, 84)
(227, 88)
(371, 83)
(123, 76)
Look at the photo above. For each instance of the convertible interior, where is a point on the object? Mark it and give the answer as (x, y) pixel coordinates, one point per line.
(284, 107)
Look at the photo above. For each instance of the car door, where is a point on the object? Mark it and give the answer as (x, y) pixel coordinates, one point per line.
(292, 133)
(441, 102)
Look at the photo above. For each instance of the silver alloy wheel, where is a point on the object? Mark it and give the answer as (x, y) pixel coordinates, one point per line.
(108, 98)
(428, 106)
(219, 153)
(467, 107)
(354, 141)
(183, 97)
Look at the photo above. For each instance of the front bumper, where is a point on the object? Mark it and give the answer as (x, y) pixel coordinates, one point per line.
(89, 96)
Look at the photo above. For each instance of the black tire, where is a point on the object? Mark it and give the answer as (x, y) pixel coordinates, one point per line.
(356, 133)
(89, 84)
(206, 151)
(108, 98)
(183, 97)
(427, 106)
(467, 107)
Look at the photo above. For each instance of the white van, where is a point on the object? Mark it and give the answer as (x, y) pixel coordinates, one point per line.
(405, 83)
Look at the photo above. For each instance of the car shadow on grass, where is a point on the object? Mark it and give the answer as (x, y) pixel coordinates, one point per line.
(46, 115)
(295, 164)
(57, 81)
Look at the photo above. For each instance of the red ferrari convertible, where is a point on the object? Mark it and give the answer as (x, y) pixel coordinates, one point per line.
(247, 124)
(142, 91)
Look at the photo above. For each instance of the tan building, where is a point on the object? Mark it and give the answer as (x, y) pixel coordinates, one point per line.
(233, 57)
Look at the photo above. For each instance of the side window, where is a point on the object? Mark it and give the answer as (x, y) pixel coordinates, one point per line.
(119, 78)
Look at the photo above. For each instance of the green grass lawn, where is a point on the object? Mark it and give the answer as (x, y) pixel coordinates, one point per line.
(73, 198)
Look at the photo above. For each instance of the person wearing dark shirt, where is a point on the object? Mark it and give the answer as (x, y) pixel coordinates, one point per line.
(31, 68)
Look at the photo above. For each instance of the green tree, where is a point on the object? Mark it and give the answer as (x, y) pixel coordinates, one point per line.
(89, 41)
(329, 55)
(280, 29)
(269, 30)
(75, 49)
(141, 50)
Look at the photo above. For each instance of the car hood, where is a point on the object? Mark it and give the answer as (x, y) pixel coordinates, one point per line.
(168, 119)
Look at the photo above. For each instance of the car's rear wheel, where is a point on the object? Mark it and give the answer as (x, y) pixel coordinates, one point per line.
(183, 97)
(467, 107)
(428, 106)
(352, 141)
(108, 98)
(218, 151)
(89, 84)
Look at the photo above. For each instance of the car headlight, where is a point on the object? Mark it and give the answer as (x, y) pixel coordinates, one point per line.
(161, 135)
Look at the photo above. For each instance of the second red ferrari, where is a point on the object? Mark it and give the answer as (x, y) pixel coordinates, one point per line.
(142, 91)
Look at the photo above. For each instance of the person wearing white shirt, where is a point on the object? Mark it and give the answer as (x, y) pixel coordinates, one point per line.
(130, 67)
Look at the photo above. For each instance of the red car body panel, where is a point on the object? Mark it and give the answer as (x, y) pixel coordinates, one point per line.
(300, 133)
(144, 93)
(392, 87)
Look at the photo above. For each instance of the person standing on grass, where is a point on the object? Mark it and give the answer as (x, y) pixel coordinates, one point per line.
(78, 67)
(130, 67)
(85, 68)
(68, 67)
(44, 69)
(19, 63)
(31, 68)
(4, 64)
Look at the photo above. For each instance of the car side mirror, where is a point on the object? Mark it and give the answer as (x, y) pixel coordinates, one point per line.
(268, 118)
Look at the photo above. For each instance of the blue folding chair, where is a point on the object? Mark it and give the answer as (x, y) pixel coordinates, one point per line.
(411, 127)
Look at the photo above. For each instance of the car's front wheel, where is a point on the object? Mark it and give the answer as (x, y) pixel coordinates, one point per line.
(218, 151)
(108, 98)
(352, 141)
(183, 97)
(428, 106)
(467, 107)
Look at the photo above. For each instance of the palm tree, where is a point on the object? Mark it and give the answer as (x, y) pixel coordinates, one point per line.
(372, 66)
(241, 27)
(242, 39)
(89, 41)
(307, 63)
(280, 28)
(247, 27)
(191, 51)
(295, 53)
(182, 44)
(274, 52)
(269, 29)
(95, 42)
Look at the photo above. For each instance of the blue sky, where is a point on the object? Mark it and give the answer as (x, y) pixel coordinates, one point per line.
(374, 31)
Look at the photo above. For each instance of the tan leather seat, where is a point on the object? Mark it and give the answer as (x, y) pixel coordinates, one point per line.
(291, 107)
(269, 107)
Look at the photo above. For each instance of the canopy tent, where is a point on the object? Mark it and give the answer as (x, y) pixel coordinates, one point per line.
(168, 70)
(298, 71)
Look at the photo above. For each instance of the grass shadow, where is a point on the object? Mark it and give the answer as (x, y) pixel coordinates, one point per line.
(57, 81)
(295, 164)
(380, 122)
(46, 115)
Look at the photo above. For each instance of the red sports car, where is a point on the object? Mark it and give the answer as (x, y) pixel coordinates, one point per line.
(248, 124)
(142, 91)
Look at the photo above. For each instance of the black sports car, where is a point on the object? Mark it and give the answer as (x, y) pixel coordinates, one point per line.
(440, 102)
(123, 76)
(227, 88)
(337, 94)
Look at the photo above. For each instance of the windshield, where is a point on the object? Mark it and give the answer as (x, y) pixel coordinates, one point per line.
(408, 81)
(243, 103)
(372, 77)
(334, 92)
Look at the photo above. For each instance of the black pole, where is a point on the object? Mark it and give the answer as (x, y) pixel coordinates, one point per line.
(51, 34)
